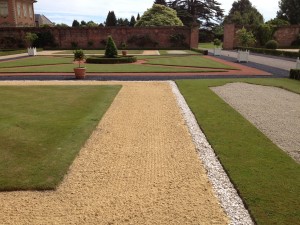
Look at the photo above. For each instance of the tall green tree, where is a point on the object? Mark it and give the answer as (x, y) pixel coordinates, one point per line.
(244, 13)
(111, 19)
(160, 2)
(159, 15)
(132, 21)
(138, 17)
(289, 10)
(75, 23)
(192, 12)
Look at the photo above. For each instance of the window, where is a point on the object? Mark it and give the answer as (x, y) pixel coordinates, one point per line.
(30, 12)
(3, 8)
(25, 10)
(19, 9)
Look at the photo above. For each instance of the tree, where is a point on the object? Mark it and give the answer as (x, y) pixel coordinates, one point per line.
(132, 21)
(278, 22)
(159, 15)
(245, 38)
(83, 23)
(160, 2)
(192, 12)
(138, 17)
(75, 23)
(243, 13)
(111, 20)
(289, 10)
(91, 24)
(111, 50)
(30, 38)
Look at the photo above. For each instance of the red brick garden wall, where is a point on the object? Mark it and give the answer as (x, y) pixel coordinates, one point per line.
(284, 35)
(151, 38)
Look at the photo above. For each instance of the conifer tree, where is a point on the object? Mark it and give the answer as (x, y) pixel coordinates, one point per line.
(138, 17)
(132, 21)
(111, 20)
(111, 50)
(75, 23)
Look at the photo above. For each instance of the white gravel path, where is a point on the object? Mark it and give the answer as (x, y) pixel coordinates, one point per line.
(274, 111)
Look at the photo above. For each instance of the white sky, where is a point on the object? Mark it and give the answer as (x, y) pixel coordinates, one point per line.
(66, 11)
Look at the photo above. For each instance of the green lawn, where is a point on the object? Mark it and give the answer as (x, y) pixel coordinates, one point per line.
(65, 64)
(12, 52)
(190, 60)
(91, 52)
(36, 61)
(267, 179)
(209, 45)
(42, 129)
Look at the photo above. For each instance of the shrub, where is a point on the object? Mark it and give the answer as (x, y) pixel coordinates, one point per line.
(142, 41)
(74, 45)
(30, 38)
(245, 38)
(297, 41)
(178, 40)
(79, 56)
(217, 42)
(90, 43)
(111, 50)
(295, 74)
(117, 60)
(271, 44)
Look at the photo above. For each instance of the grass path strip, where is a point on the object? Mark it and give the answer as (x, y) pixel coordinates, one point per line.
(229, 198)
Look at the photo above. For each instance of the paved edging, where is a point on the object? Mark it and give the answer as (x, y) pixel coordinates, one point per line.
(224, 189)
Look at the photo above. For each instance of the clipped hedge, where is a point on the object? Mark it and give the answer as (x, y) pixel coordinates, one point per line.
(295, 74)
(202, 51)
(271, 52)
(118, 60)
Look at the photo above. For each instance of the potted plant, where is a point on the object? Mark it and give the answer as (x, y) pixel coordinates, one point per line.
(30, 38)
(123, 47)
(217, 49)
(79, 71)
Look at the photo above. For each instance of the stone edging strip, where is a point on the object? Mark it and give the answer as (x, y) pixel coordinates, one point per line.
(223, 188)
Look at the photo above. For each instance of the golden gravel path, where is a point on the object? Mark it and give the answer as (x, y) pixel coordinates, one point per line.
(139, 166)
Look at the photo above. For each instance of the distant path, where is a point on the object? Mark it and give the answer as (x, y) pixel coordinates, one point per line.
(276, 62)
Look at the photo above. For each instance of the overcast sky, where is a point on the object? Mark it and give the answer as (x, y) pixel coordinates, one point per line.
(66, 11)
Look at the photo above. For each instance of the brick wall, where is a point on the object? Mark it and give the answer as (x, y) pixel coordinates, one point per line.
(284, 35)
(141, 37)
(20, 14)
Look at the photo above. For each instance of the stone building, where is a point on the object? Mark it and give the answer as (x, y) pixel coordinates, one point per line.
(17, 13)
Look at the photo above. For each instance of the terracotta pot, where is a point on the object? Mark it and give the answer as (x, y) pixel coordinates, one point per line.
(124, 53)
(80, 72)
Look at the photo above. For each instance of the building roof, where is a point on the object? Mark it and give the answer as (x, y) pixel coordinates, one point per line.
(42, 20)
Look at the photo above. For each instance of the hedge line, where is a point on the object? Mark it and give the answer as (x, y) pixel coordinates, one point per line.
(272, 52)
(295, 74)
(103, 60)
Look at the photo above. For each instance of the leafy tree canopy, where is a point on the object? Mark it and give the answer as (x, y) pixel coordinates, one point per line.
(289, 10)
(159, 15)
(243, 13)
(278, 22)
(192, 12)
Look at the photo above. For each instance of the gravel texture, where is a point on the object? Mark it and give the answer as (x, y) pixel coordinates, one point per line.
(140, 166)
(229, 198)
(274, 111)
